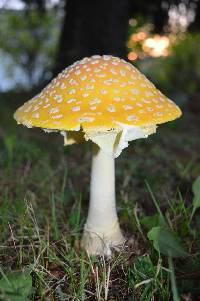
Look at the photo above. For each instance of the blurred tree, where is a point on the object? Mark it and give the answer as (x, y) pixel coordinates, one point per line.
(89, 27)
(155, 12)
(92, 27)
(26, 39)
(179, 73)
(39, 5)
(100, 26)
(185, 56)
(195, 26)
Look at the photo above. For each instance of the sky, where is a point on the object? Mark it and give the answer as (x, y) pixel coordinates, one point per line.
(18, 4)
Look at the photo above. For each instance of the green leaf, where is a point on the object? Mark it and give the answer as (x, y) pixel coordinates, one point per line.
(16, 286)
(165, 242)
(150, 221)
(196, 191)
(173, 280)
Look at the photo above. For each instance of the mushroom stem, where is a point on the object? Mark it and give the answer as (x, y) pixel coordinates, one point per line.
(102, 229)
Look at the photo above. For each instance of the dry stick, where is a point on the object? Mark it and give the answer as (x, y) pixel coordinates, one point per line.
(12, 235)
(135, 210)
(107, 280)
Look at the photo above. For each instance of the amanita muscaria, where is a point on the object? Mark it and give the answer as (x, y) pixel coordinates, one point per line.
(108, 101)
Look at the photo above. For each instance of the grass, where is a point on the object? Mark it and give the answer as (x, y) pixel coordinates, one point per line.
(44, 190)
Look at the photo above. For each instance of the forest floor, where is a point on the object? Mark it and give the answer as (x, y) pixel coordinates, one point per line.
(44, 191)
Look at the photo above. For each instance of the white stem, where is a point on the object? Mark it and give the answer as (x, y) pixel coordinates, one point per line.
(102, 210)
(102, 227)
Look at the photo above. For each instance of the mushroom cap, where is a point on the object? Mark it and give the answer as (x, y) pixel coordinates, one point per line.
(101, 93)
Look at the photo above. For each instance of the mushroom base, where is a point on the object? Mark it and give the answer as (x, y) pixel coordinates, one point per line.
(102, 243)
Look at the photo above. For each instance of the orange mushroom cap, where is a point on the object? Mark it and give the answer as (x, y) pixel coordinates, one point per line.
(100, 92)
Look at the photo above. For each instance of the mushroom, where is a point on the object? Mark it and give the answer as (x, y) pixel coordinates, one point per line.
(108, 101)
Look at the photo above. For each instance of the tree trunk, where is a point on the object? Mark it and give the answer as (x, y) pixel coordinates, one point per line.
(92, 27)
